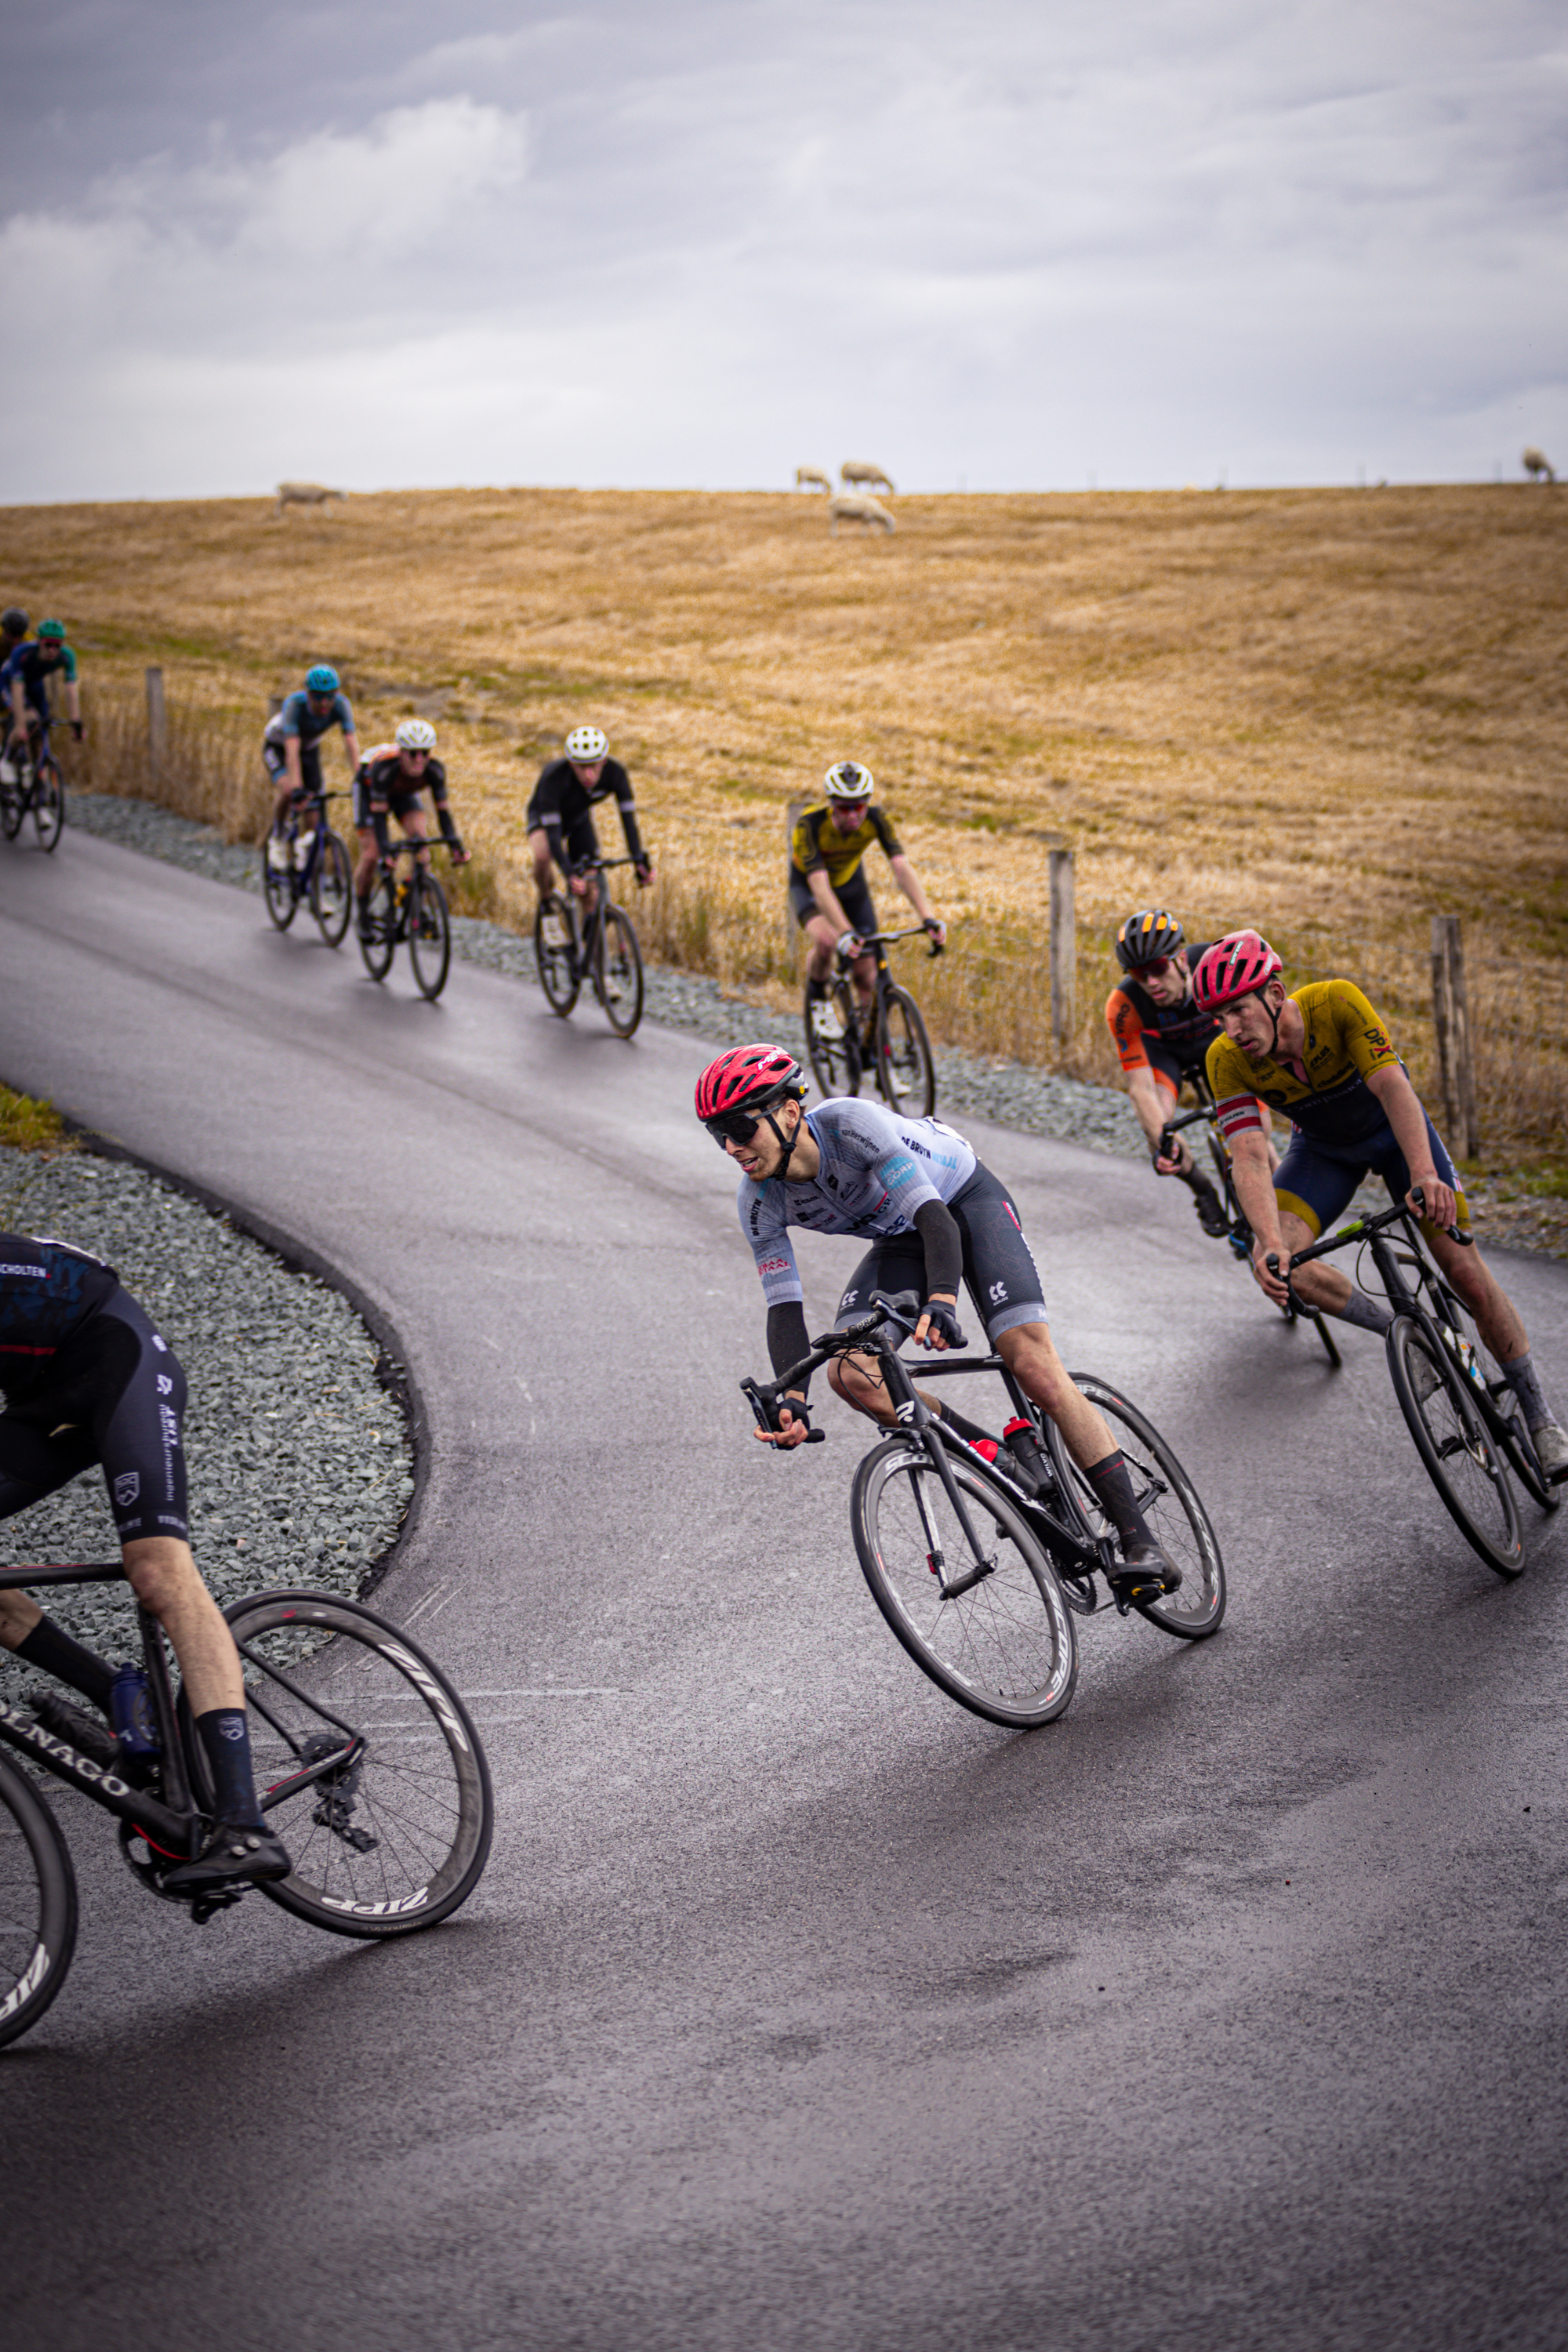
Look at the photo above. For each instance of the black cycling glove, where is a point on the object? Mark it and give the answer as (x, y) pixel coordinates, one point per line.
(943, 1322)
(798, 1409)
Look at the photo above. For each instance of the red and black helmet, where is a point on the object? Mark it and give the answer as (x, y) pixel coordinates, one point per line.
(1239, 965)
(748, 1077)
(1146, 937)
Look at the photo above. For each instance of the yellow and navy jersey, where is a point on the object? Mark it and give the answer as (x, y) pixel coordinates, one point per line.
(816, 846)
(1347, 1042)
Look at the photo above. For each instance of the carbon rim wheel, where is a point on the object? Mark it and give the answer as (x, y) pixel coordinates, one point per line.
(1461, 1459)
(37, 1905)
(906, 1074)
(1005, 1648)
(836, 1060)
(552, 953)
(430, 935)
(13, 800)
(49, 806)
(394, 1836)
(618, 974)
(277, 887)
(331, 889)
(1173, 1512)
(378, 928)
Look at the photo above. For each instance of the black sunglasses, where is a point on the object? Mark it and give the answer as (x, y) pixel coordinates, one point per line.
(732, 1126)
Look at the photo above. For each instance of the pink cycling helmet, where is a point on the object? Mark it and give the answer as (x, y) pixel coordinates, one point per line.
(1239, 965)
(748, 1077)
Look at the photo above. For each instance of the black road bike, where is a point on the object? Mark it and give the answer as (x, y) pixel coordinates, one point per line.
(318, 871)
(1469, 1430)
(38, 787)
(888, 1039)
(410, 907)
(1239, 1238)
(600, 947)
(368, 1762)
(981, 1568)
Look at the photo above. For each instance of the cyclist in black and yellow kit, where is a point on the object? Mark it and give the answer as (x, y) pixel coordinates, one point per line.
(827, 890)
(1324, 1057)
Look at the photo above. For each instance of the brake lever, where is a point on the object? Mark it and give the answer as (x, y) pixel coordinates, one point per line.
(767, 1415)
(1465, 1241)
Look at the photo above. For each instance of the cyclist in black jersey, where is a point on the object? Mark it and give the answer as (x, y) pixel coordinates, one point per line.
(87, 1378)
(393, 776)
(560, 821)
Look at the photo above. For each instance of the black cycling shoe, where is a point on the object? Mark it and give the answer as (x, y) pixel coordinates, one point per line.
(235, 1854)
(1145, 1574)
(88, 1734)
(1211, 1215)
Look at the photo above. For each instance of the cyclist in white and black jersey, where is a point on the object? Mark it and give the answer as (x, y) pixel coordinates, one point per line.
(935, 1217)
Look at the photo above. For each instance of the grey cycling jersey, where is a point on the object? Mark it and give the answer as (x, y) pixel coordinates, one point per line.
(877, 1170)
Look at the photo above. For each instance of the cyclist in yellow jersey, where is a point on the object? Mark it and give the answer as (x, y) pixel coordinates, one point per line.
(1324, 1057)
(827, 890)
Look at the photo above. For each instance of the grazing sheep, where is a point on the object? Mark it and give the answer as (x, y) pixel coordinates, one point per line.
(303, 494)
(868, 477)
(806, 478)
(1536, 465)
(865, 510)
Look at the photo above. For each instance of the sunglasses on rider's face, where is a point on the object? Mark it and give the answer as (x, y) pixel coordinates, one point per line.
(734, 1127)
(1159, 966)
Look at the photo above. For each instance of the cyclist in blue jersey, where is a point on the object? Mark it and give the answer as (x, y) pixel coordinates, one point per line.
(291, 746)
(25, 684)
(934, 1217)
(87, 1378)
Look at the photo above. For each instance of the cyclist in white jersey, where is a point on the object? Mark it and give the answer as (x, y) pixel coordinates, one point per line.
(935, 1217)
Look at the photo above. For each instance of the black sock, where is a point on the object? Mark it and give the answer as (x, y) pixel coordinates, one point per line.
(54, 1651)
(970, 1431)
(227, 1738)
(1195, 1180)
(1113, 1490)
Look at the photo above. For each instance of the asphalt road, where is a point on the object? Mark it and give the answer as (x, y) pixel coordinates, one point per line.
(798, 2008)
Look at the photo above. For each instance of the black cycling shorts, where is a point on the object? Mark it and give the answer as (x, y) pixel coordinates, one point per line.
(113, 1394)
(275, 761)
(579, 840)
(398, 805)
(998, 1264)
(854, 897)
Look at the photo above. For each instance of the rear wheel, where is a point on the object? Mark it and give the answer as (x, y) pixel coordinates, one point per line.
(277, 883)
(906, 1074)
(1172, 1510)
(49, 806)
(832, 1039)
(1462, 1461)
(37, 1905)
(395, 1832)
(378, 927)
(13, 798)
(621, 993)
(554, 954)
(1005, 1647)
(430, 935)
(331, 889)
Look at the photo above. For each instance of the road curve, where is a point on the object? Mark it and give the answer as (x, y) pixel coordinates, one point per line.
(798, 2008)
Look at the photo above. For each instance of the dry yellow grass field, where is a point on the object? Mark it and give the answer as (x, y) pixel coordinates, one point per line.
(1330, 713)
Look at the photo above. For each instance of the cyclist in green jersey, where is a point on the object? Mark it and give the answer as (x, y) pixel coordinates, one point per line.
(828, 891)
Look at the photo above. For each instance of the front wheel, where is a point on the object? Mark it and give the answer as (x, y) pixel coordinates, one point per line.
(429, 936)
(1169, 1502)
(552, 951)
(617, 976)
(368, 1765)
(906, 1072)
(12, 801)
(37, 1905)
(331, 889)
(378, 927)
(49, 806)
(277, 886)
(833, 1040)
(1005, 1646)
(1453, 1442)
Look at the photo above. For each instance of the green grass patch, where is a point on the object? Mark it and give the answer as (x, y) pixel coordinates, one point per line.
(28, 1125)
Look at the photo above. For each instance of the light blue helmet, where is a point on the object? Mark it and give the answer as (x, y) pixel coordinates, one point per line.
(322, 680)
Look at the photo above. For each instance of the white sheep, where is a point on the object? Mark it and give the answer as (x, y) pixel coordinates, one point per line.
(854, 469)
(303, 494)
(1536, 465)
(806, 478)
(865, 510)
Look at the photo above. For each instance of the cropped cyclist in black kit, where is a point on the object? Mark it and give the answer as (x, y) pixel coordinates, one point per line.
(87, 1380)
(559, 820)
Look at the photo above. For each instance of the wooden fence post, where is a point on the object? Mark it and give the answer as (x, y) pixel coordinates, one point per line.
(1064, 945)
(157, 725)
(1451, 1020)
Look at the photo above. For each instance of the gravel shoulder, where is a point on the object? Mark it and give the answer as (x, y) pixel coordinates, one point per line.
(300, 1460)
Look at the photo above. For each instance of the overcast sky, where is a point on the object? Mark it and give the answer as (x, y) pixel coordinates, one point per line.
(1005, 244)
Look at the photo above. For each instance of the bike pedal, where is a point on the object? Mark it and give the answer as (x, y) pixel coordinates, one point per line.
(205, 1907)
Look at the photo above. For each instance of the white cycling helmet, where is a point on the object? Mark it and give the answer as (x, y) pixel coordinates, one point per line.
(849, 780)
(586, 744)
(416, 735)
